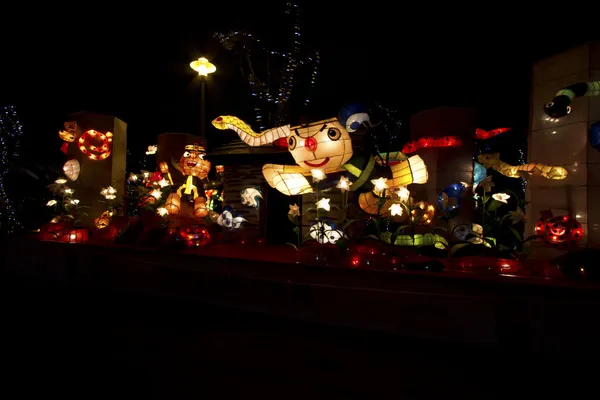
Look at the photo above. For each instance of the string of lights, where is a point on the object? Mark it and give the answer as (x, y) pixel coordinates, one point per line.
(11, 131)
(266, 96)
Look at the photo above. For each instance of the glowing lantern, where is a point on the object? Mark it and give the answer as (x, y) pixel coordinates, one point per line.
(409, 171)
(560, 231)
(368, 203)
(325, 232)
(423, 212)
(72, 169)
(103, 221)
(94, 152)
(78, 236)
(194, 235)
(151, 150)
(173, 204)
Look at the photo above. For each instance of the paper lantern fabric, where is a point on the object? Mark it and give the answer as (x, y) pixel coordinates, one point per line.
(594, 135)
(553, 172)
(561, 103)
(479, 173)
(246, 133)
(409, 171)
(353, 115)
(251, 197)
(368, 203)
(324, 232)
(449, 198)
(192, 162)
(72, 169)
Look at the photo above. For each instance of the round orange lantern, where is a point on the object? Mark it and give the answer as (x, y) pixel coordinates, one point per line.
(94, 152)
(560, 231)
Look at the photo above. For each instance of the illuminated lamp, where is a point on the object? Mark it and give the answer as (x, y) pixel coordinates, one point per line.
(424, 212)
(203, 67)
(78, 235)
(368, 203)
(94, 152)
(594, 135)
(72, 169)
(200, 209)
(409, 171)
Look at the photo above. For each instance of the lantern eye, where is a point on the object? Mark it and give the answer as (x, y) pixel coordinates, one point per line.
(187, 154)
(550, 104)
(334, 134)
(568, 109)
(356, 120)
(292, 142)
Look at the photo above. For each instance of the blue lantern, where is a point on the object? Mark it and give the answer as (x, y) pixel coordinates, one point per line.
(353, 115)
(449, 199)
(594, 135)
(479, 173)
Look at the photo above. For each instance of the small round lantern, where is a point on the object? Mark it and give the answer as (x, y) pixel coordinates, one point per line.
(173, 205)
(72, 169)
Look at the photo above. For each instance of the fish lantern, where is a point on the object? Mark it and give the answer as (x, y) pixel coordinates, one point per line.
(251, 197)
(594, 135)
(72, 169)
(321, 148)
(103, 221)
(449, 199)
(195, 170)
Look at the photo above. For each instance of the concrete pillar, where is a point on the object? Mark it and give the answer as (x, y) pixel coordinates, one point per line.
(564, 142)
(446, 165)
(98, 174)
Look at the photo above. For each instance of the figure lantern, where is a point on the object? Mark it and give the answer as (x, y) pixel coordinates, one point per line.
(553, 172)
(72, 169)
(560, 231)
(195, 170)
(96, 145)
(325, 147)
(561, 103)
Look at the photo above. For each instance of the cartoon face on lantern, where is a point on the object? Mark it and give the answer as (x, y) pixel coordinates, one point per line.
(192, 162)
(324, 145)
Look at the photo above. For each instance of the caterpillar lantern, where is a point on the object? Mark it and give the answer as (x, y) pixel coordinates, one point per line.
(561, 103)
(326, 146)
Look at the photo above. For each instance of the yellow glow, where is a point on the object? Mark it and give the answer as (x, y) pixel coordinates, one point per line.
(317, 174)
(203, 67)
(324, 204)
(396, 209)
(72, 169)
(61, 181)
(343, 184)
(403, 193)
(492, 160)
(501, 197)
(410, 171)
(379, 185)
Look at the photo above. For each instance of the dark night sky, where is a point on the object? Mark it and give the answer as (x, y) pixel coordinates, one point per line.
(135, 65)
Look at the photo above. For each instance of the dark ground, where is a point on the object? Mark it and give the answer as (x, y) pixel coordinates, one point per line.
(67, 343)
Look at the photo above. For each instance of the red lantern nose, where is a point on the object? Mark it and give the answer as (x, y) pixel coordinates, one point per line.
(310, 144)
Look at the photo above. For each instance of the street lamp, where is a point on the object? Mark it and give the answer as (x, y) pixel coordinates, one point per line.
(203, 67)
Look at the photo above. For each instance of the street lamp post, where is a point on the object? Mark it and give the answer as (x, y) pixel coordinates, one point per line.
(203, 67)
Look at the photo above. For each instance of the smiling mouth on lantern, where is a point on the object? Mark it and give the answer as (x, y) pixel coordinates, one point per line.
(191, 164)
(317, 165)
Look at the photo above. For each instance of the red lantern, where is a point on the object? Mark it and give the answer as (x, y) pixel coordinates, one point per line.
(194, 235)
(55, 231)
(560, 231)
(78, 235)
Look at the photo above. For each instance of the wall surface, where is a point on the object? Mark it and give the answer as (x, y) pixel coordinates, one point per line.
(564, 142)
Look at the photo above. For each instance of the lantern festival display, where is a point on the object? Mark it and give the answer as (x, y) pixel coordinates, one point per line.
(561, 231)
(325, 232)
(449, 141)
(251, 197)
(195, 170)
(96, 145)
(449, 198)
(230, 220)
(194, 235)
(103, 221)
(553, 172)
(561, 103)
(69, 133)
(325, 147)
(72, 169)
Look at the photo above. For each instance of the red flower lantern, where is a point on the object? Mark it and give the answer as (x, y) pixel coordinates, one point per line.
(194, 235)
